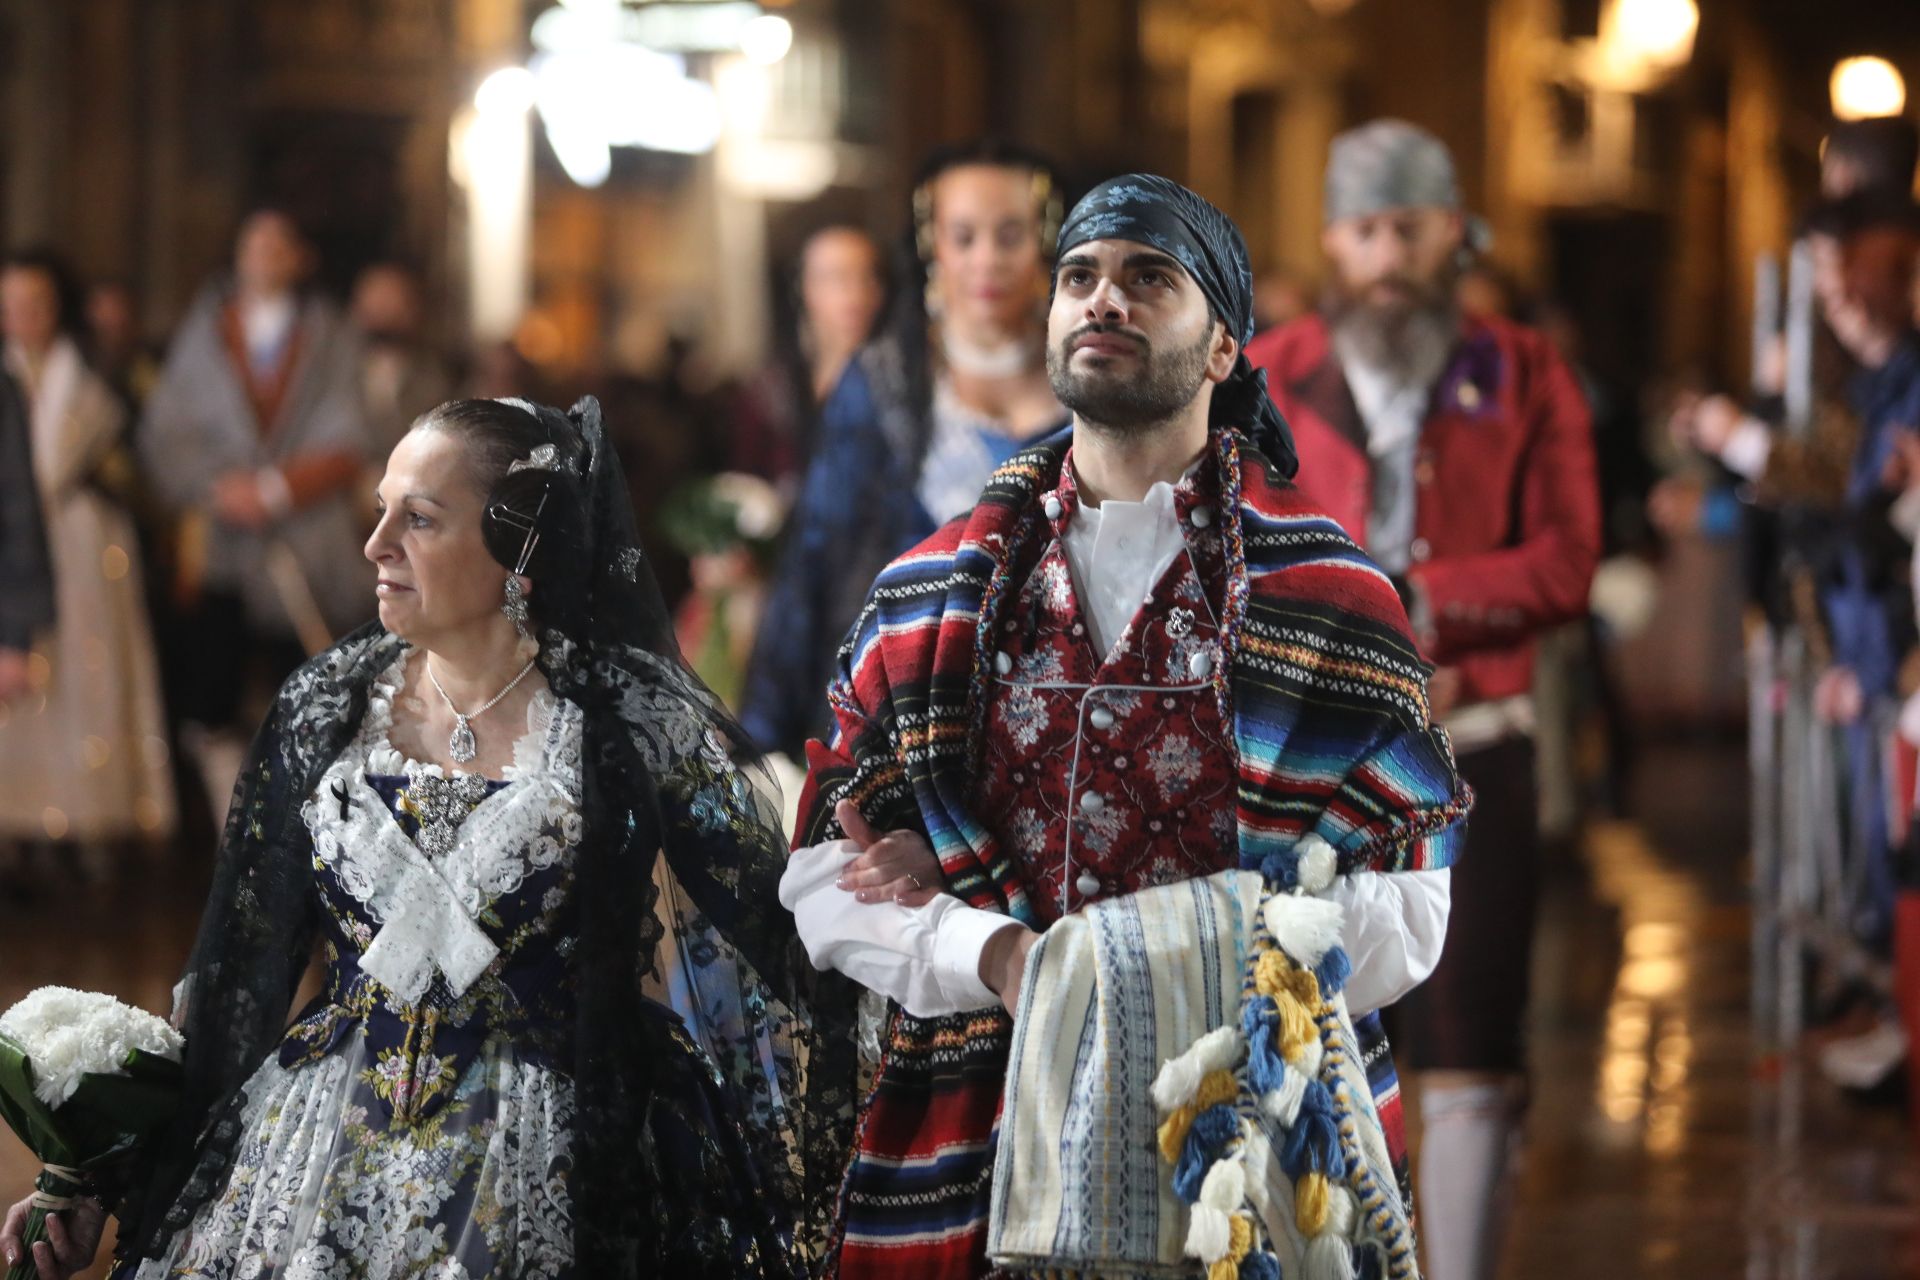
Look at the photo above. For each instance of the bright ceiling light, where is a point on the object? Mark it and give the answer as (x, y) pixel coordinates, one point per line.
(766, 39)
(1864, 88)
(1656, 33)
(621, 95)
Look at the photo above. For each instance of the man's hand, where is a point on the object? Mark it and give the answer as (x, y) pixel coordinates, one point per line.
(14, 680)
(1003, 963)
(237, 501)
(1709, 423)
(899, 864)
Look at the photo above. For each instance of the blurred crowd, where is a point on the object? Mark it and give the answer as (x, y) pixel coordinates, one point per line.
(204, 500)
(1815, 475)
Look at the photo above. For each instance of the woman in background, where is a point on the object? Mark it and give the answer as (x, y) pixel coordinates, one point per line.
(954, 386)
(83, 755)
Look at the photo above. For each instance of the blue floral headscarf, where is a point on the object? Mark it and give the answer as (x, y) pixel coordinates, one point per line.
(1149, 209)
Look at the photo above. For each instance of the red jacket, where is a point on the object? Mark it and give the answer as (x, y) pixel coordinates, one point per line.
(1507, 531)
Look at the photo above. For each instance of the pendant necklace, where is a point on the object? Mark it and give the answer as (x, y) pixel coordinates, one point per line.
(461, 745)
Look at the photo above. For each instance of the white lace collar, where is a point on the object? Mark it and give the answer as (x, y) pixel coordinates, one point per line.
(430, 911)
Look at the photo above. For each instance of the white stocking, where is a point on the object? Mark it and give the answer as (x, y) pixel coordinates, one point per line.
(1464, 1188)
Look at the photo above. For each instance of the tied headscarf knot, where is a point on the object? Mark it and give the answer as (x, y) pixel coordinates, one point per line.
(1148, 209)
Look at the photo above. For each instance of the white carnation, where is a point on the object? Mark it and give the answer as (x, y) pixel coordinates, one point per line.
(67, 1034)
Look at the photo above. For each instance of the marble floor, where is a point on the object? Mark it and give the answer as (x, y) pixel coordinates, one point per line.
(1660, 1145)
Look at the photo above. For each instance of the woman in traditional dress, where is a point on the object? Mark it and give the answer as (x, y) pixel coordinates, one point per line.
(954, 386)
(558, 1033)
(84, 757)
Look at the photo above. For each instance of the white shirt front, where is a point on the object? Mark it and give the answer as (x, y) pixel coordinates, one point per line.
(1392, 412)
(928, 958)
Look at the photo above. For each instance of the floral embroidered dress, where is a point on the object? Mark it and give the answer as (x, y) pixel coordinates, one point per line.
(416, 1120)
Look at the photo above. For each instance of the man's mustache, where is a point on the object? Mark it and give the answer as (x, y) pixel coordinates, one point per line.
(1085, 331)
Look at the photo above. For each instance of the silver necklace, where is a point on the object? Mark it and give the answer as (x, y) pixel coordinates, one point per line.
(461, 745)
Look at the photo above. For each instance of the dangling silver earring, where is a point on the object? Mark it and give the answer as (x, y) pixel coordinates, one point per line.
(516, 606)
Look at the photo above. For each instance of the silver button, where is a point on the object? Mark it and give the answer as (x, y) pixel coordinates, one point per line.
(1469, 397)
(1202, 517)
(1102, 718)
(1087, 883)
(1092, 802)
(1201, 665)
(1003, 662)
(1422, 550)
(1052, 507)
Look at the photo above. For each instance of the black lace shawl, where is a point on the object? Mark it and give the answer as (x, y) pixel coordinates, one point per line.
(657, 779)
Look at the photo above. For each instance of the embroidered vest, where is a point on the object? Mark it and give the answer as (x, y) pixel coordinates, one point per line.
(1107, 775)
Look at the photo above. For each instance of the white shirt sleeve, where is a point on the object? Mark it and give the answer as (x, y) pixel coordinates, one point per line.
(927, 958)
(1395, 928)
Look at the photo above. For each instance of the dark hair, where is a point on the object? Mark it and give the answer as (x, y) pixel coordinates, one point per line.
(70, 303)
(1886, 150)
(907, 319)
(1875, 209)
(284, 213)
(796, 273)
(534, 518)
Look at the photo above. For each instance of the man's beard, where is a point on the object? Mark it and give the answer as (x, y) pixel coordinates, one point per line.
(1106, 400)
(1409, 344)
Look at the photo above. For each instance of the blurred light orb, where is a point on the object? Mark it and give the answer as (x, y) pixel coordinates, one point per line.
(1867, 88)
(766, 39)
(508, 91)
(1658, 33)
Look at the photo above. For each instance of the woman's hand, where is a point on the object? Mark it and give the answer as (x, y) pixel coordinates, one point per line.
(899, 864)
(73, 1237)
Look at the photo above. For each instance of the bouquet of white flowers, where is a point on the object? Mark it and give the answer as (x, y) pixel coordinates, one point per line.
(83, 1078)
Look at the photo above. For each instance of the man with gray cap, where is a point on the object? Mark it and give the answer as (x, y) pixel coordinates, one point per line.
(1459, 452)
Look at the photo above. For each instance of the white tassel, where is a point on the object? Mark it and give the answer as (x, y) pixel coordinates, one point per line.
(1218, 1050)
(1343, 1212)
(1256, 1156)
(1209, 1235)
(1329, 1257)
(1178, 1081)
(1283, 1104)
(1226, 1186)
(1179, 1078)
(1318, 864)
(1308, 1061)
(1306, 928)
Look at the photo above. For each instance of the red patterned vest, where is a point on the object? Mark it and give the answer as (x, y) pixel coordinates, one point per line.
(1107, 774)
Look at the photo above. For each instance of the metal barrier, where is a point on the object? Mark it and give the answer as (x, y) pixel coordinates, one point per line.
(1813, 858)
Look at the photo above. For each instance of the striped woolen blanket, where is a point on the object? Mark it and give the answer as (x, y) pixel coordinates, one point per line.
(1327, 696)
(1080, 1184)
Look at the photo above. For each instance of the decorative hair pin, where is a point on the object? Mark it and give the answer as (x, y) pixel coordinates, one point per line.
(528, 525)
(544, 458)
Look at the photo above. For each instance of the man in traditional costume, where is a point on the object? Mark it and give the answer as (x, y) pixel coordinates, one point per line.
(1459, 452)
(1147, 738)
